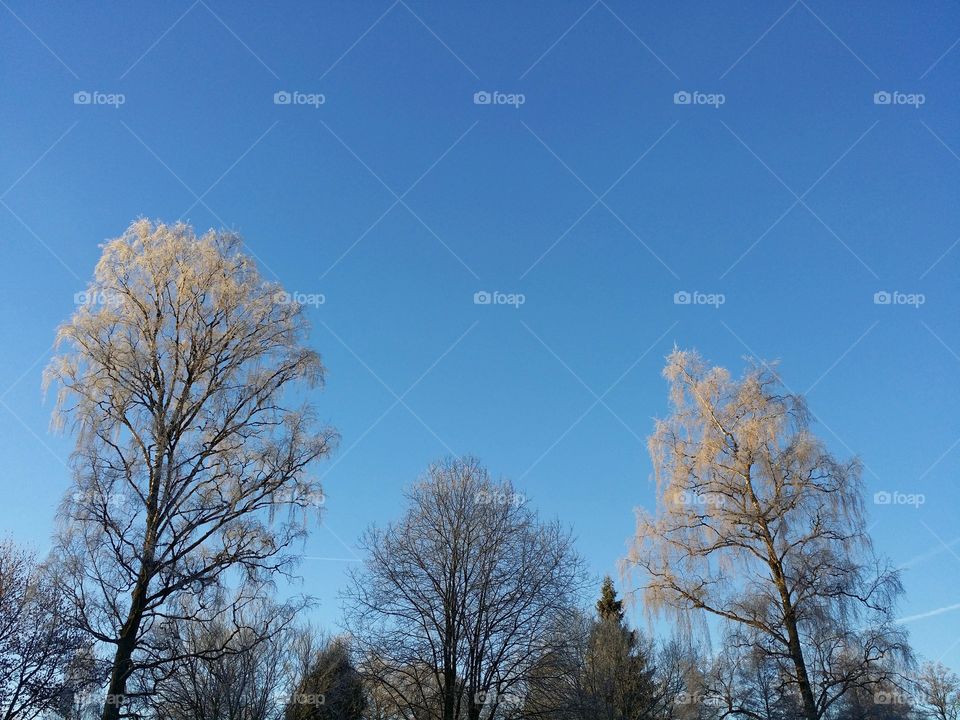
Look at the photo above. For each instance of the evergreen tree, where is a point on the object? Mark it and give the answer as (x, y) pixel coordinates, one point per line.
(331, 689)
(617, 679)
(608, 607)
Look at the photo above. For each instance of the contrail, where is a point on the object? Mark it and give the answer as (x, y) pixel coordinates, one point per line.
(928, 554)
(929, 613)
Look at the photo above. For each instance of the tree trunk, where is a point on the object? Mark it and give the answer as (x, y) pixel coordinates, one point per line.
(449, 694)
(789, 612)
(800, 665)
(795, 648)
(123, 658)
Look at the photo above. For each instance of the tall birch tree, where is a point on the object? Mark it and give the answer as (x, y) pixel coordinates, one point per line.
(760, 526)
(182, 379)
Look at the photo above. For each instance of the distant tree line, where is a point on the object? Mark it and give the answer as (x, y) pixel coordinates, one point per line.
(183, 387)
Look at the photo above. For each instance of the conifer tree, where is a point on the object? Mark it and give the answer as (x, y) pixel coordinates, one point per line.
(608, 607)
(617, 678)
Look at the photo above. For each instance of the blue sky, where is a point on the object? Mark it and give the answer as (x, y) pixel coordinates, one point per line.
(786, 185)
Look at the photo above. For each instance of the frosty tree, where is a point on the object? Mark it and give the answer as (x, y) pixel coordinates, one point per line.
(177, 380)
(759, 525)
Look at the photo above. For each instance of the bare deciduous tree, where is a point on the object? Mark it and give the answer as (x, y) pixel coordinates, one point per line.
(179, 380)
(44, 661)
(235, 666)
(938, 691)
(682, 681)
(758, 524)
(746, 681)
(456, 600)
(554, 686)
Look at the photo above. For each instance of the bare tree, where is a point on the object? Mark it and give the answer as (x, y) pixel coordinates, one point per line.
(394, 691)
(259, 665)
(683, 681)
(235, 666)
(44, 662)
(747, 681)
(457, 599)
(177, 378)
(938, 691)
(884, 701)
(554, 686)
(758, 524)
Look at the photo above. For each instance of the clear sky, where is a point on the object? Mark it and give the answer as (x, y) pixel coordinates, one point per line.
(786, 187)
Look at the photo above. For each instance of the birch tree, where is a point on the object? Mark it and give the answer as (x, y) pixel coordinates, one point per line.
(758, 525)
(183, 380)
(938, 691)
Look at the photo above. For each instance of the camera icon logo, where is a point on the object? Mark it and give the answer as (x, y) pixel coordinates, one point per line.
(482, 297)
(882, 498)
(681, 297)
(82, 98)
(482, 97)
(882, 297)
(282, 97)
(682, 97)
(882, 97)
